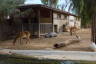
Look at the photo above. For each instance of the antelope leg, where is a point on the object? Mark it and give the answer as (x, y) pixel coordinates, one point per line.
(20, 40)
(27, 40)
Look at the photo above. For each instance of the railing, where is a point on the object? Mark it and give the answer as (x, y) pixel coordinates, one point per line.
(45, 28)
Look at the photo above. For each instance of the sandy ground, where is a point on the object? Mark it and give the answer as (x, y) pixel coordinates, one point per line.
(47, 43)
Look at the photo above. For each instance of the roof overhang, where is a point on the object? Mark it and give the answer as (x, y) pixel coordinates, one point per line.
(45, 6)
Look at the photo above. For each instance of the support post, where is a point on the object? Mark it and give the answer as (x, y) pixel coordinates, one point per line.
(51, 15)
(38, 22)
(93, 31)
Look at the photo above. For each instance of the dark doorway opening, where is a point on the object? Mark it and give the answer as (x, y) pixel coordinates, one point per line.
(55, 28)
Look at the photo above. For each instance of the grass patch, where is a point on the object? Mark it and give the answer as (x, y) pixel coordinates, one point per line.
(20, 59)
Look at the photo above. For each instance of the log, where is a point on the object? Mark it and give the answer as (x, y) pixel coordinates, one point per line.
(59, 45)
(67, 42)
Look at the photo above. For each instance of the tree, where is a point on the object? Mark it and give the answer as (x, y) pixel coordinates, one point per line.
(6, 6)
(52, 3)
(86, 9)
(83, 8)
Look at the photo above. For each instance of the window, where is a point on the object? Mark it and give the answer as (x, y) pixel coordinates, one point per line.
(65, 16)
(59, 16)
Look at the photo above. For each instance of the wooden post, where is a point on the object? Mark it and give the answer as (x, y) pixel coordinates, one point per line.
(51, 15)
(93, 29)
(39, 22)
(93, 32)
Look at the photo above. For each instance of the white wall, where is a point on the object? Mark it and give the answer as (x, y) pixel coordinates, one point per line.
(59, 21)
(78, 23)
(71, 21)
(74, 21)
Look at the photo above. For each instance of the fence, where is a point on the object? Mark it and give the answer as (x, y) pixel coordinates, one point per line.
(5, 31)
(46, 28)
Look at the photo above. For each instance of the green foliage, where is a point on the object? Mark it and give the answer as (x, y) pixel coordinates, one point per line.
(44, 2)
(52, 2)
(6, 6)
(19, 59)
(84, 8)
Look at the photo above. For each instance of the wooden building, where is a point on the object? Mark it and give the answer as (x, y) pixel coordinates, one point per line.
(42, 20)
(45, 19)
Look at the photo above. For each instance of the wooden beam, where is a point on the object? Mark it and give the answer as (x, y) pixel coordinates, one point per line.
(93, 38)
(94, 28)
(38, 22)
(51, 15)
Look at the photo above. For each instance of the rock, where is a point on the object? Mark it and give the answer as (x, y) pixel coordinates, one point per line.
(93, 46)
(51, 34)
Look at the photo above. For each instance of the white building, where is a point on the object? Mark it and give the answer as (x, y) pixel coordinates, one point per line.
(74, 21)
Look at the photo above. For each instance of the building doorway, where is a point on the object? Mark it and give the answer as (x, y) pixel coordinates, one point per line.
(55, 28)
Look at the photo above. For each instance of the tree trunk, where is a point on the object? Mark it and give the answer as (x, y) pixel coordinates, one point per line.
(93, 26)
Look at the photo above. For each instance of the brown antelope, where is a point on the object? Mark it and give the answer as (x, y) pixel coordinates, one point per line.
(73, 30)
(22, 35)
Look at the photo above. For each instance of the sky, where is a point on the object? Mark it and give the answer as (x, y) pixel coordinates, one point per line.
(33, 2)
(39, 2)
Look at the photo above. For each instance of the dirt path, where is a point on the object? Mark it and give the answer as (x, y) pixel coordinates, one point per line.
(47, 43)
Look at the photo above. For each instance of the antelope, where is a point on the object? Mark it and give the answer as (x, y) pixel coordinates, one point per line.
(22, 35)
(73, 30)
